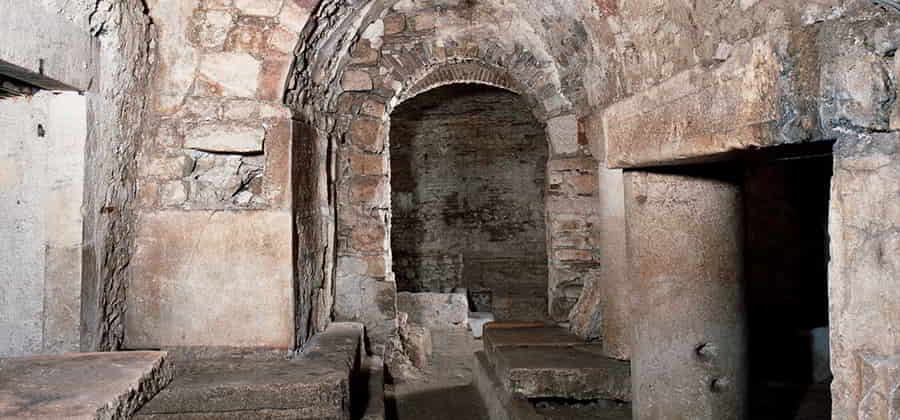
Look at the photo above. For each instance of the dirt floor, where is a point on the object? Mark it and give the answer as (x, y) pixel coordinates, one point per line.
(445, 392)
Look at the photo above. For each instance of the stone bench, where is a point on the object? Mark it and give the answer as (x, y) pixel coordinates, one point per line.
(535, 371)
(314, 385)
(81, 385)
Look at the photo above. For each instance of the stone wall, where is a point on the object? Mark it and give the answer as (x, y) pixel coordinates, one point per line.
(41, 194)
(468, 174)
(103, 49)
(217, 169)
(682, 76)
(864, 225)
(380, 54)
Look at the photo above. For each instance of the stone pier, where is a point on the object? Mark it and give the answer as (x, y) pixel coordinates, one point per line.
(685, 244)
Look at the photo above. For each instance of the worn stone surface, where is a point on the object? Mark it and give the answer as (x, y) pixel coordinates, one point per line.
(864, 218)
(604, 308)
(81, 385)
(702, 113)
(685, 245)
(211, 279)
(416, 341)
(225, 139)
(312, 385)
(435, 311)
(568, 372)
(65, 58)
(500, 334)
(43, 168)
(468, 181)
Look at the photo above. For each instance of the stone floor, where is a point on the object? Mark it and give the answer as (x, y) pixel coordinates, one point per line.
(81, 385)
(446, 391)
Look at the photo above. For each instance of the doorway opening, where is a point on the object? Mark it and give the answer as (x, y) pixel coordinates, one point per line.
(468, 181)
(786, 197)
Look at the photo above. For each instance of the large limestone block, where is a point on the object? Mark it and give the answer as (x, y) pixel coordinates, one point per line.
(572, 372)
(82, 386)
(313, 385)
(864, 300)
(435, 311)
(759, 97)
(63, 58)
(225, 138)
(685, 252)
(211, 278)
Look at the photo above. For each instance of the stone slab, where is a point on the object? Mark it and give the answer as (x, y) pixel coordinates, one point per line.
(864, 227)
(81, 385)
(313, 385)
(64, 58)
(435, 311)
(567, 372)
(501, 405)
(759, 97)
(498, 335)
(211, 278)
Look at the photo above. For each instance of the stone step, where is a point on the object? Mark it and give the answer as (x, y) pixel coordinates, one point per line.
(313, 385)
(81, 385)
(503, 405)
(506, 334)
(572, 372)
(551, 362)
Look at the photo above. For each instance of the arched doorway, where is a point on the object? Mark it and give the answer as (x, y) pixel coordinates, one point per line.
(468, 167)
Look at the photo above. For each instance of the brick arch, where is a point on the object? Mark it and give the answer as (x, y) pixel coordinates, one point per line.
(470, 71)
(348, 114)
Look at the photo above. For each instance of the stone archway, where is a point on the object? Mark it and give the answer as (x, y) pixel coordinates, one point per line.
(468, 175)
(341, 110)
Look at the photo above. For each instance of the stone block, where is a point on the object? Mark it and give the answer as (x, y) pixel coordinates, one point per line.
(355, 80)
(65, 58)
(568, 372)
(365, 299)
(759, 97)
(394, 24)
(368, 164)
(435, 311)
(259, 7)
(81, 385)
(295, 14)
(231, 73)
(225, 138)
(417, 343)
(562, 133)
(864, 228)
(211, 278)
(502, 334)
(311, 386)
(686, 298)
(367, 134)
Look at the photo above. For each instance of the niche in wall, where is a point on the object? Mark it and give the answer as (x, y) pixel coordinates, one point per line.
(468, 179)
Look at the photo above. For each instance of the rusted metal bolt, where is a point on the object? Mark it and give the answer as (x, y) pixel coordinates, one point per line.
(707, 351)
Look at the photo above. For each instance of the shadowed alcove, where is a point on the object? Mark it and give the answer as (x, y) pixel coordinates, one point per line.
(468, 176)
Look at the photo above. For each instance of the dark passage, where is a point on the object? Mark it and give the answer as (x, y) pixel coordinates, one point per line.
(468, 173)
(786, 263)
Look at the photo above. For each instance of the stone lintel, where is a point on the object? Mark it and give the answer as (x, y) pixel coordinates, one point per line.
(757, 98)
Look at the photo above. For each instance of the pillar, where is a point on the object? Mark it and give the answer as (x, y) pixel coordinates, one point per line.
(684, 240)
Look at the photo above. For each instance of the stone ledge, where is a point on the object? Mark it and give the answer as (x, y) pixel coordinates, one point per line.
(757, 98)
(81, 385)
(313, 385)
